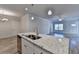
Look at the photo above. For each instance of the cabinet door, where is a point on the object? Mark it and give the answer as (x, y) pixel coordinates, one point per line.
(38, 50)
(29, 48)
(26, 49)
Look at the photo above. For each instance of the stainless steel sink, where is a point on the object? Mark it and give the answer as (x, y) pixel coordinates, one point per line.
(33, 37)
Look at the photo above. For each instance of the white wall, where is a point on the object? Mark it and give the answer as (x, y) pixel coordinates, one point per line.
(24, 24)
(42, 24)
(28, 25)
(10, 28)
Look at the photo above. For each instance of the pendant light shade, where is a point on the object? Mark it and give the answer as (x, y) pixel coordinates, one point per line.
(32, 18)
(60, 19)
(26, 9)
(49, 12)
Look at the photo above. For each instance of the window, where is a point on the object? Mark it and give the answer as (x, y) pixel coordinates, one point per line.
(58, 26)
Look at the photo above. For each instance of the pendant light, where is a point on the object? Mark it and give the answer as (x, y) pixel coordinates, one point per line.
(60, 19)
(26, 9)
(32, 18)
(49, 12)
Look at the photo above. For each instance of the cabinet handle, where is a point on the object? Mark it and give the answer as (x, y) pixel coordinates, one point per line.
(33, 53)
(41, 53)
(25, 46)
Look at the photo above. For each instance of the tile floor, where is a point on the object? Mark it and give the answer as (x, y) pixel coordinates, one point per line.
(8, 45)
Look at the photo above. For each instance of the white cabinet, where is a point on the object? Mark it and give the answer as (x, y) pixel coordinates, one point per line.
(38, 50)
(26, 49)
(30, 48)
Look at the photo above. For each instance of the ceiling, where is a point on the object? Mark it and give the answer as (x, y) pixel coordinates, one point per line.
(41, 9)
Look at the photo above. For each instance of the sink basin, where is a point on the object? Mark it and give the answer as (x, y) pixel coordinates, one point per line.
(33, 37)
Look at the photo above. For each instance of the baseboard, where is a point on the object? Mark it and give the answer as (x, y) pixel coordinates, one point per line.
(8, 37)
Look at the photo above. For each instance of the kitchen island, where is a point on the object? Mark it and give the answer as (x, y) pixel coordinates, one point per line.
(45, 45)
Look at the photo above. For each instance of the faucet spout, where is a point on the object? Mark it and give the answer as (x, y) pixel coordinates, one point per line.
(36, 31)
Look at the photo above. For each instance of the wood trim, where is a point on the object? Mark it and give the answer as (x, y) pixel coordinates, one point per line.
(8, 37)
(19, 47)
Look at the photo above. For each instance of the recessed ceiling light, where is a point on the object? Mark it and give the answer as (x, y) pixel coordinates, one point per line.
(32, 18)
(60, 19)
(73, 25)
(26, 9)
(49, 12)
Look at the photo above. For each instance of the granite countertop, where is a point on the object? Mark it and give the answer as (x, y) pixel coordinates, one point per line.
(50, 43)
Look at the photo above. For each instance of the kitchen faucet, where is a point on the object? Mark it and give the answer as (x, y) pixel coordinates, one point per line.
(37, 33)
